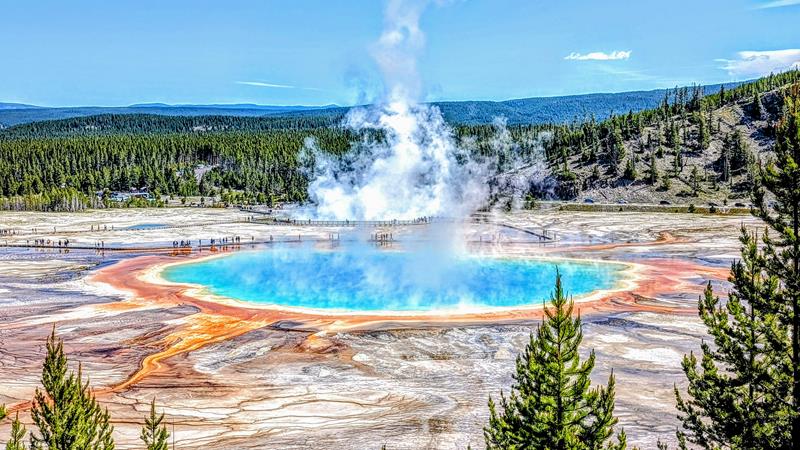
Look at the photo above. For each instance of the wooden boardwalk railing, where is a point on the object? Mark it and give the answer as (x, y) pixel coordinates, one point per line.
(350, 223)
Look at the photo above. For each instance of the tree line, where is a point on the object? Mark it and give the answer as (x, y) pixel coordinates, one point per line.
(164, 164)
(108, 124)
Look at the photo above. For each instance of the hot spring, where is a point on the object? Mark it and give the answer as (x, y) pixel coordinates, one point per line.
(370, 279)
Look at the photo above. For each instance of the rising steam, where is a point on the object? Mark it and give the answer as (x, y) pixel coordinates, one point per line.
(408, 165)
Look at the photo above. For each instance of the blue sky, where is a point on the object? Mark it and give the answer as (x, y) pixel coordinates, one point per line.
(87, 52)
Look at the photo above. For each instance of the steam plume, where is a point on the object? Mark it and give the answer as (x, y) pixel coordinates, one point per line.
(408, 165)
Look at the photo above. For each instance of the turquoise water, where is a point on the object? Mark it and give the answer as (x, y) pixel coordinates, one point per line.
(371, 279)
(145, 226)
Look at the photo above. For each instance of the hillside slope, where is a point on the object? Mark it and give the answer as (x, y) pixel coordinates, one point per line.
(684, 153)
(541, 110)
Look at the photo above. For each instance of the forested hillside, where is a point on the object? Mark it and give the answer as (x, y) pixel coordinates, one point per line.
(36, 173)
(693, 147)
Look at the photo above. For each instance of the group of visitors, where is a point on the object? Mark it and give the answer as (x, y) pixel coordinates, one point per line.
(48, 242)
(383, 237)
(226, 241)
(218, 241)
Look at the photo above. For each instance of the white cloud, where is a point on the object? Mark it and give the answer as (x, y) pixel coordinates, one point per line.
(599, 56)
(276, 86)
(267, 85)
(778, 4)
(757, 63)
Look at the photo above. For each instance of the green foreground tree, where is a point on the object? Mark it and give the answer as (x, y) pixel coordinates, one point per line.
(551, 405)
(154, 432)
(744, 393)
(67, 416)
(66, 413)
(17, 439)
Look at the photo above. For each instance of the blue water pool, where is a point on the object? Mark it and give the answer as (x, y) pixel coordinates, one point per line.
(146, 226)
(371, 279)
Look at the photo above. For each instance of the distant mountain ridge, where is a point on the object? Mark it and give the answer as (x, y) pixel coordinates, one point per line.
(561, 109)
(236, 106)
(534, 110)
(16, 106)
(16, 114)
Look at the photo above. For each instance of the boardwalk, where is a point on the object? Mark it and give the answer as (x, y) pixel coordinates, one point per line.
(352, 223)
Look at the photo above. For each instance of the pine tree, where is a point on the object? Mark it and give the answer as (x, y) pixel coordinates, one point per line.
(154, 432)
(695, 179)
(630, 171)
(666, 183)
(675, 137)
(782, 253)
(551, 405)
(677, 163)
(104, 439)
(616, 150)
(16, 441)
(736, 147)
(732, 399)
(66, 413)
(704, 136)
(725, 161)
(652, 174)
(756, 108)
(592, 156)
(745, 393)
